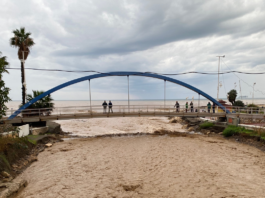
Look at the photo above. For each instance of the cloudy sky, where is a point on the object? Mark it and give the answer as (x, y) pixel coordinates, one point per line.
(159, 36)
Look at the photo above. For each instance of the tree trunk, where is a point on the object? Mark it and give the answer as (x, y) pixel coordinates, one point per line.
(23, 80)
(0, 103)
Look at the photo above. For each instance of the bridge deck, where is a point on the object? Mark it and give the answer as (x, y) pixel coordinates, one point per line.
(88, 112)
(110, 115)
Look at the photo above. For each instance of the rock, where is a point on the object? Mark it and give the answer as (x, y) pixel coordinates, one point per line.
(48, 145)
(33, 159)
(11, 188)
(193, 121)
(184, 127)
(7, 179)
(191, 129)
(39, 130)
(221, 133)
(208, 133)
(54, 127)
(5, 174)
(205, 131)
(173, 120)
(25, 163)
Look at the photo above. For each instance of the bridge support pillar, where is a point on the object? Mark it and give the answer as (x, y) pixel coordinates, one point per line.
(128, 93)
(90, 97)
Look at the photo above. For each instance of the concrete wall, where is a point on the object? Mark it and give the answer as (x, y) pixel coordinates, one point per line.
(251, 127)
(23, 130)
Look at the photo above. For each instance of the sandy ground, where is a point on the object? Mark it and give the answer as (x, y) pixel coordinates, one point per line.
(143, 166)
(100, 126)
(147, 166)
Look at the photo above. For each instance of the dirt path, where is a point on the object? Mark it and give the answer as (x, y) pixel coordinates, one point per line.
(147, 166)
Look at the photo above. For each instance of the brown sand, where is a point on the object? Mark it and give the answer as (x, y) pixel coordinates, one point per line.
(147, 166)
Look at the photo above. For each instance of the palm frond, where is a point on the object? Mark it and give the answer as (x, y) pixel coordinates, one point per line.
(22, 30)
(3, 64)
(22, 41)
(45, 102)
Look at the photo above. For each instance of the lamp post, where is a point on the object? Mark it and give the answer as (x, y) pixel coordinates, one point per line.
(218, 75)
(253, 94)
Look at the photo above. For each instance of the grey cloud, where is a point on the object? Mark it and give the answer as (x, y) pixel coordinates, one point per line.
(159, 36)
(159, 23)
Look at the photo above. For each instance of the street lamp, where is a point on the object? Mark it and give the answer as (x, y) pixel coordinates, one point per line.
(218, 76)
(253, 94)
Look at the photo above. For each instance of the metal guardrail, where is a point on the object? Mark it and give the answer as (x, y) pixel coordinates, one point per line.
(99, 109)
(132, 108)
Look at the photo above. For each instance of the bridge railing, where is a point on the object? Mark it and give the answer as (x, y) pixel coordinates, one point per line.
(98, 109)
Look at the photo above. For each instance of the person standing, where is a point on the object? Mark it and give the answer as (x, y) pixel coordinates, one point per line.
(213, 107)
(187, 106)
(177, 106)
(209, 107)
(110, 107)
(104, 106)
(191, 106)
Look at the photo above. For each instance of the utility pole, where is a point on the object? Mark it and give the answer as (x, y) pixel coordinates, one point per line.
(240, 89)
(253, 94)
(218, 76)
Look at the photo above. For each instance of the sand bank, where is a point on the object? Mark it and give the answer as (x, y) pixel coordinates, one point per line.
(147, 166)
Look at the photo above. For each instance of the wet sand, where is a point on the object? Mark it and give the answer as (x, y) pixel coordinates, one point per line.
(147, 166)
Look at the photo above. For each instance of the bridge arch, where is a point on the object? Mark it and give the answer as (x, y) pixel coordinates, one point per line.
(151, 75)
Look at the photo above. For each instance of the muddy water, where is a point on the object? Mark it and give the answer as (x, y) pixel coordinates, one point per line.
(147, 166)
(101, 126)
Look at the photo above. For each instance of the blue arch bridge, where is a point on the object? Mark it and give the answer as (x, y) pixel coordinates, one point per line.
(24, 115)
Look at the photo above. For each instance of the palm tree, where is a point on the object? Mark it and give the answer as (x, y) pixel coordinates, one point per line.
(23, 42)
(231, 95)
(46, 103)
(3, 65)
(4, 91)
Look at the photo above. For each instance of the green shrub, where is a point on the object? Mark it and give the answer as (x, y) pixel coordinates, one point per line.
(239, 103)
(229, 131)
(252, 105)
(206, 125)
(232, 130)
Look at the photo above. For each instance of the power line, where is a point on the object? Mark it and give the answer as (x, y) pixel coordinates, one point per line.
(244, 81)
(92, 71)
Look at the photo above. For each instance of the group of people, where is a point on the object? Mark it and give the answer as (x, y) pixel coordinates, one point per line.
(209, 106)
(105, 105)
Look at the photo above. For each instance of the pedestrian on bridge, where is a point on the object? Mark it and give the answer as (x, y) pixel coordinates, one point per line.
(177, 106)
(209, 107)
(110, 107)
(191, 106)
(187, 106)
(213, 107)
(104, 106)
